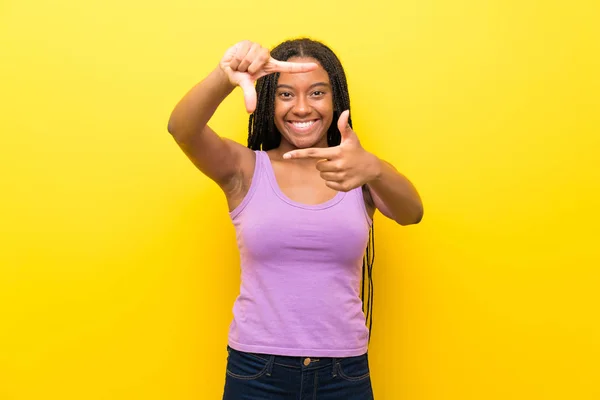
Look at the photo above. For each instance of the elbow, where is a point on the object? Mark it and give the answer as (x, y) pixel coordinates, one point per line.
(175, 130)
(412, 218)
(175, 124)
(171, 126)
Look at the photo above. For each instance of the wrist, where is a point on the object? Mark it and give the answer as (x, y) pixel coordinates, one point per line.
(376, 168)
(222, 79)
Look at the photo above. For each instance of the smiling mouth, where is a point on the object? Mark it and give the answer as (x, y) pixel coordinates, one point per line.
(302, 126)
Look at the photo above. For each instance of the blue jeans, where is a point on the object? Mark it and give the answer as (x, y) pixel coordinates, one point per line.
(252, 376)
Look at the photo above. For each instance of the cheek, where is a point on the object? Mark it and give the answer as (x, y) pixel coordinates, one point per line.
(279, 113)
(326, 109)
(327, 114)
(281, 109)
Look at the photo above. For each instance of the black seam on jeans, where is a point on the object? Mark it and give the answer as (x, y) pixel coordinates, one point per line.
(247, 378)
(253, 355)
(286, 365)
(251, 377)
(316, 384)
(350, 378)
(270, 365)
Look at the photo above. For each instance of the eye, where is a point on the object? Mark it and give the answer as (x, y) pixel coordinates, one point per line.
(284, 95)
(318, 93)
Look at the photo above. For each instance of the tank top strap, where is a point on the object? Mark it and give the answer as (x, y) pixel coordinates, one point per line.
(359, 197)
(262, 161)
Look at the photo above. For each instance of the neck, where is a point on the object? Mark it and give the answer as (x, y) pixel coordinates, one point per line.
(286, 146)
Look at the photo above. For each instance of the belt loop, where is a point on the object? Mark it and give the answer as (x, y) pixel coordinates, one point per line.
(334, 368)
(270, 365)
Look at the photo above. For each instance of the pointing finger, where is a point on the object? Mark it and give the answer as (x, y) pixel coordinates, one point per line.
(293, 67)
(319, 153)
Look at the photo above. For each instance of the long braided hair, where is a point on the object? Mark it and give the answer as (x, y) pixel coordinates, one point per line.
(263, 134)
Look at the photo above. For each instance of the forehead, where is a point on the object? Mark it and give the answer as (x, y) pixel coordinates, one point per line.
(303, 78)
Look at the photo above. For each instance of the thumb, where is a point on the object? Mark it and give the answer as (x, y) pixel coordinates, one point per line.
(249, 93)
(344, 127)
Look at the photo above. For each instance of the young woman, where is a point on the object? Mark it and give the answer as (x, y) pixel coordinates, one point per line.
(301, 196)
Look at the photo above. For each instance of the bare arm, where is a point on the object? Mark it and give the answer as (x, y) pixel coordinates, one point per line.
(218, 158)
(349, 166)
(395, 196)
(223, 160)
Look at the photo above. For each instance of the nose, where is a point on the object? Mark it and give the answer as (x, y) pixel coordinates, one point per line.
(301, 108)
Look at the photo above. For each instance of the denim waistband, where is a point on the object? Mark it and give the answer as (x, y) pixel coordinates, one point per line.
(305, 363)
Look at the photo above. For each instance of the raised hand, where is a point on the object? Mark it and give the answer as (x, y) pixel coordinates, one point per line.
(245, 62)
(343, 167)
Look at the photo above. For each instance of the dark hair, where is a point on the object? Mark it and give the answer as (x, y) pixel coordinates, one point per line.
(263, 134)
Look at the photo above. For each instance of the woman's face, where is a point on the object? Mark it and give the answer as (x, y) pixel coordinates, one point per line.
(303, 107)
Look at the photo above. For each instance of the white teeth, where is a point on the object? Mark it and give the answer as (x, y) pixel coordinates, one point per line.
(303, 124)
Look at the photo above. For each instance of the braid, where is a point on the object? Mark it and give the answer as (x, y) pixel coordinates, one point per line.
(263, 135)
(367, 269)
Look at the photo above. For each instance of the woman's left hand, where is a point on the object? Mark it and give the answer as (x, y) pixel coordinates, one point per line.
(344, 167)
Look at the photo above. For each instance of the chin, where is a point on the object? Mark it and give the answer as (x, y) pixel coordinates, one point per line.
(305, 143)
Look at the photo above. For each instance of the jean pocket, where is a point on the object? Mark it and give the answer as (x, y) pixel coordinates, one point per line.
(353, 368)
(241, 365)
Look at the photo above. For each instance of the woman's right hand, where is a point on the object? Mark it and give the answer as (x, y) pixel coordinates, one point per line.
(245, 62)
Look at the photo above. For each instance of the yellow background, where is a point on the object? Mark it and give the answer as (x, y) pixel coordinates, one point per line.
(118, 266)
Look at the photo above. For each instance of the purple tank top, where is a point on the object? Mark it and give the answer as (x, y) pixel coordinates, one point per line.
(301, 268)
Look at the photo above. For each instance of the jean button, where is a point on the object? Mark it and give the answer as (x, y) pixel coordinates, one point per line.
(306, 361)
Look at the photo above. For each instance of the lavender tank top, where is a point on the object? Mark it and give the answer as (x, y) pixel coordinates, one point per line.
(301, 268)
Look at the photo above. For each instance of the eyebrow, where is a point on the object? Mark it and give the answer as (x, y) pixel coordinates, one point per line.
(310, 87)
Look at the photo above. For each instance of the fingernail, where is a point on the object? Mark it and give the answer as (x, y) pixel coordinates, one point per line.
(287, 156)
